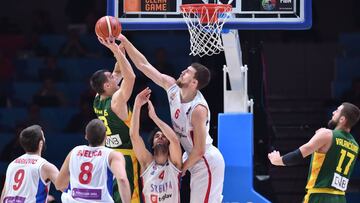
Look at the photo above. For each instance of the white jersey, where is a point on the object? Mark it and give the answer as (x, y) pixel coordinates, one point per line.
(91, 179)
(181, 117)
(23, 180)
(161, 183)
(207, 174)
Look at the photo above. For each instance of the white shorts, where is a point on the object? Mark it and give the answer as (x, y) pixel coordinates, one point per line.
(207, 177)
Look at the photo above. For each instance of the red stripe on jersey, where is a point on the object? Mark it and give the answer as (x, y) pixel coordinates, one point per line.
(209, 183)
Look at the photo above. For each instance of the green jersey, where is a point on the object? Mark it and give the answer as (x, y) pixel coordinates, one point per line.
(333, 169)
(117, 130)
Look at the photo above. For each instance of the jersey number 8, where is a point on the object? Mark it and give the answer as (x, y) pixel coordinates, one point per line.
(85, 174)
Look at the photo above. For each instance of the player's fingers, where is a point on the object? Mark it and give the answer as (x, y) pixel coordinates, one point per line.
(108, 41)
(145, 92)
(112, 40)
(121, 37)
(101, 40)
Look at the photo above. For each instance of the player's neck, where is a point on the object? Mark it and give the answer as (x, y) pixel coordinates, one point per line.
(104, 96)
(187, 95)
(34, 153)
(160, 159)
(343, 128)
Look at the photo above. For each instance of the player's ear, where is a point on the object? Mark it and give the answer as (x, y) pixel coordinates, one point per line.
(41, 144)
(195, 82)
(342, 120)
(86, 138)
(106, 85)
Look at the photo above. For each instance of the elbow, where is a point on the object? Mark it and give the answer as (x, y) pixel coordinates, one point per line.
(59, 187)
(61, 184)
(122, 180)
(132, 76)
(143, 66)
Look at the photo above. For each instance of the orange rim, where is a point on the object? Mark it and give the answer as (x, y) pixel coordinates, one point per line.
(210, 9)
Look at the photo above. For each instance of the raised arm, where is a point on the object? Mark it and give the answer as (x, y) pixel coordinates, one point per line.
(320, 142)
(117, 166)
(198, 121)
(122, 69)
(142, 154)
(144, 66)
(63, 179)
(174, 147)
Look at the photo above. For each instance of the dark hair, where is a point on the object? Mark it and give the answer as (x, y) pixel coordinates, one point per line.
(95, 132)
(202, 75)
(30, 138)
(351, 113)
(97, 81)
(152, 135)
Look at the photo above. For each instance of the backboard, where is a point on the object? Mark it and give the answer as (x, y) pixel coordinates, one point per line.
(246, 14)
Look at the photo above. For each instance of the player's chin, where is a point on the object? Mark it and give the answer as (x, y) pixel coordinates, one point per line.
(179, 83)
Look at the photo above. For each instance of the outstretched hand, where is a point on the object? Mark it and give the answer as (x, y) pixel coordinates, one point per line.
(152, 113)
(110, 43)
(275, 158)
(143, 97)
(122, 38)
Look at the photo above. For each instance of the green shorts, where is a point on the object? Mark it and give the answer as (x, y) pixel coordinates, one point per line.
(324, 198)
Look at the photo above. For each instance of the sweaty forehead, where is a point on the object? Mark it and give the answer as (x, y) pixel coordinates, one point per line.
(340, 107)
(191, 69)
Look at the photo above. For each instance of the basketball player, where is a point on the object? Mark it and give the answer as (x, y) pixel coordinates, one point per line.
(190, 117)
(90, 170)
(28, 176)
(160, 172)
(110, 106)
(333, 157)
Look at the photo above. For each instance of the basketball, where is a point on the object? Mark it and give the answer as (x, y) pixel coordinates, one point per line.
(107, 26)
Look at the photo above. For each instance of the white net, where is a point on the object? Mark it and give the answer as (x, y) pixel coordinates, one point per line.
(205, 23)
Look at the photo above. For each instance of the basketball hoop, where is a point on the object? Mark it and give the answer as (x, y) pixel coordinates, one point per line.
(205, 23)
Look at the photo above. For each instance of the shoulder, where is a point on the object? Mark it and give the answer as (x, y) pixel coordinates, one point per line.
(323, 134)
(172, 88)
(96, 98)
(115, 155)
(48, 167)
(200, 110)
(80, 147)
